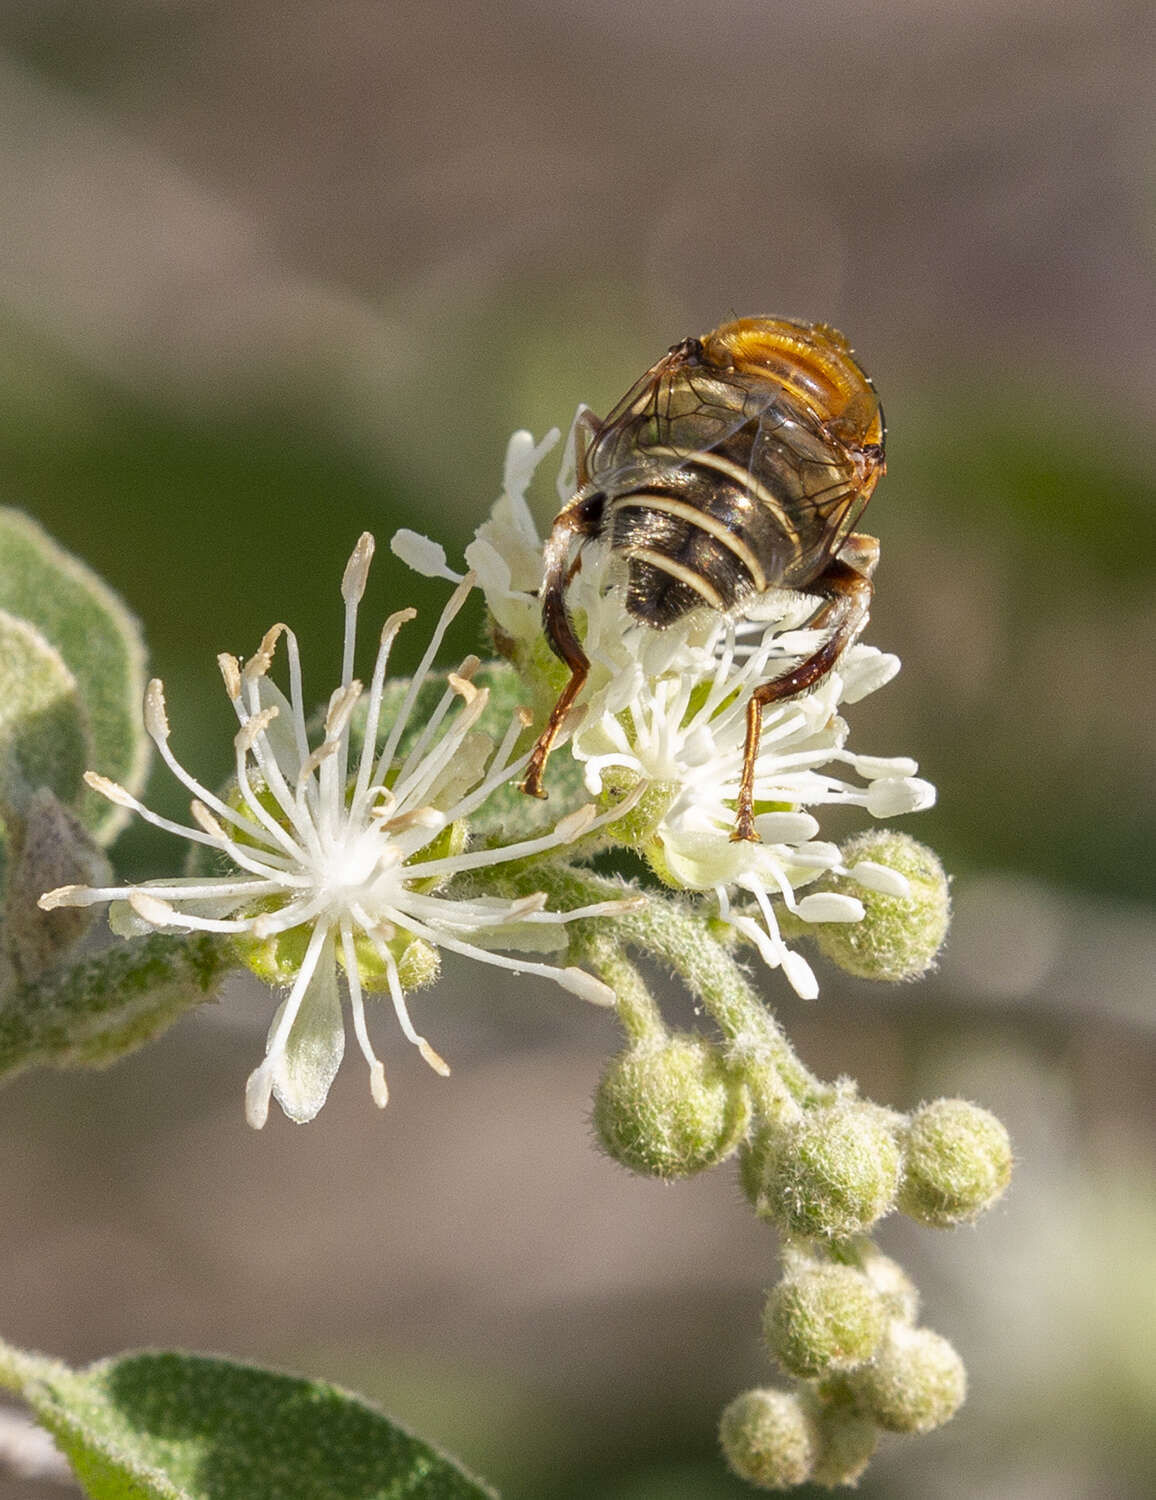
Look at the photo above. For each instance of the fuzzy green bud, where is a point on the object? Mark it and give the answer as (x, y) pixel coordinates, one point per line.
(959, 1161)
(770, 1438)
(636, 828)
(891, 1282)
(847, 1440)
(899, 935)
(669, 1107)
(834, 1173)
(916, 1381)
(825, 1318)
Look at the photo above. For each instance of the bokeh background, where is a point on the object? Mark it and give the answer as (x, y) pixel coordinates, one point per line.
(275, 271)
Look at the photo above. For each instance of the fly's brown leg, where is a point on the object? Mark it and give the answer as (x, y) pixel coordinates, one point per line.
(847, 584)
(580, 518)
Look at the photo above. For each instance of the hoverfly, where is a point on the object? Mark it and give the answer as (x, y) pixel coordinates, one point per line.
(737, 464)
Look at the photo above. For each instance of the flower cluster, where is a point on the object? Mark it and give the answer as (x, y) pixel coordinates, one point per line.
(344, 860)
(667, 710)
(349, 847)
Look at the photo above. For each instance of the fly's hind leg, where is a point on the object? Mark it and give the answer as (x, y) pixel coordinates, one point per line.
(581, 518)
(846, 584)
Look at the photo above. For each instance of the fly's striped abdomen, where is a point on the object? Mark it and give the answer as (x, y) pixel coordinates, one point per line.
(687, 537)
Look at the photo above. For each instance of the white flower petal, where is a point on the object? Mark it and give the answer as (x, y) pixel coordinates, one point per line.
(305, 1068)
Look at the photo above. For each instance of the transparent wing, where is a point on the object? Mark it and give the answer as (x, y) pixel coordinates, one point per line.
(745, 426)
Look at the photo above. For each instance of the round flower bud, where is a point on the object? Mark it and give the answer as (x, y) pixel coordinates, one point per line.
(958, 1162)
(834, 1173)
(826, 1318)
(669, 1108)
(914, 1383)
(770, 1439)
(899, 935)
(896, 1289)
(847, 1439)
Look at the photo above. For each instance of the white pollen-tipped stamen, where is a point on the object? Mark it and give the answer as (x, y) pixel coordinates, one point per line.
(231, 672)
(377, 1084)
(70, 895)
(397, 995)
(295, 913)
(112, 791)
(213, 890)
(334, 769)
(296, 696)
(261, 861)
(191, 784)
(416, 817)
(422, 555)
(397, 729)
(389, 633)
(262, 659)
(123, 798)
(356, 574)
(275, 783)
(156, 720)
(883, 879)
(466, 671)
(468, 915)
(564, 977)
(417, 785)
(576, 824)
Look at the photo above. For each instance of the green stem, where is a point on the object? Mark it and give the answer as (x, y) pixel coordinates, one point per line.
(679, 937)
(637, 1008)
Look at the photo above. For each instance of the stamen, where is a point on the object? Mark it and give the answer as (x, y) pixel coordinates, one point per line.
(377, 1084)
(262, 659)
(356, 573)
(453, 606)
(397, 995)
(231, 672)
(389, 633)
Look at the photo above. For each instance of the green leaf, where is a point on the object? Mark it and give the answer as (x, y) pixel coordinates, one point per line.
(168, 1426)
(94, 1011)
(44, 739)
(99, 643)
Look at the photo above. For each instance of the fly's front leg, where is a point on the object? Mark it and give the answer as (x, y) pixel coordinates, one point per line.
(580, 518)
(846, 582)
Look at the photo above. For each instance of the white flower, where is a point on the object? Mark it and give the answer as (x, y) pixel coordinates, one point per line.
(345, 866)
(669, 707)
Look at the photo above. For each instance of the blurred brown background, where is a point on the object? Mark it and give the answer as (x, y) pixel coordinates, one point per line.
(273, 273)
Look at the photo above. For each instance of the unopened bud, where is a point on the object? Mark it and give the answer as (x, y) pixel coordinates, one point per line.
(958, 1163)
(847, 1439)
(892, 1283)
(669, 1108)
(914, 1383)
(826, 1318)
(770, 1439)
(834, 1172)
(899, 935)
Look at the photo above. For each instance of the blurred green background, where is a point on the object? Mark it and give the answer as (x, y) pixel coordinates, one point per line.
(271, 274)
